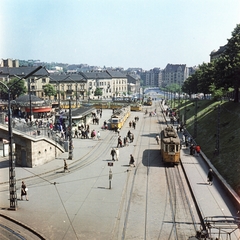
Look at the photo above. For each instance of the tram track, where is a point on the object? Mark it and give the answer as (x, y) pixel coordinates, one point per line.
(183, 221)
(182, 203)
(131, 183)
(14, 230)
(98, 151)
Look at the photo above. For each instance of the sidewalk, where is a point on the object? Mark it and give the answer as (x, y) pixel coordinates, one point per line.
(81, 148)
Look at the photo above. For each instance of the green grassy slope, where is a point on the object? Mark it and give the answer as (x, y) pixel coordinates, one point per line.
(228, 160)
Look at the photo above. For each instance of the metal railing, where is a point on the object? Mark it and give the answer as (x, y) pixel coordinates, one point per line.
(34, 130)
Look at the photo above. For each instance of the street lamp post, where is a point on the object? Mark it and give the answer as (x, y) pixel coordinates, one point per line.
(58, 89)
(82, 90)
(30, 100)
(76, 94)
(12, 179)
(70, 156)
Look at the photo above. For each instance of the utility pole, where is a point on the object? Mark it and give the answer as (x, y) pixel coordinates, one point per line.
(30, 100)
(218, 132)
(76, 94)
(195, 118)
(70, 156)
(12, 177)
(185, 109)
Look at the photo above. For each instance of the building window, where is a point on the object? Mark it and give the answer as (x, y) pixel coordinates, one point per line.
(44, 80)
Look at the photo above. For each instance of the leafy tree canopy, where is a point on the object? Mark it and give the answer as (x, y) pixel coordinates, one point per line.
(17, 88)
(221, 74)
(98, 92)
(49, 90)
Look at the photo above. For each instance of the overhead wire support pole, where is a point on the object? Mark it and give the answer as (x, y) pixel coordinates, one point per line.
(12, 179)
(195, 118)
(185, 109)
(58, 87)
(76, 95)
(70, 156)
(218, 132)
(75, 89)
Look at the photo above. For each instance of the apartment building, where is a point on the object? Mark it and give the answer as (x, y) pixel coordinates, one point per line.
(152, 78)
(174, 74)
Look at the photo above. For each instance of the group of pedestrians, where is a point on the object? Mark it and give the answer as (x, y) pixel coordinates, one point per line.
(133, 123)
(129, 138)
(195, 149)
(115, 154)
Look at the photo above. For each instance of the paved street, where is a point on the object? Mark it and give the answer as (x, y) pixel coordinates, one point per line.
(81, 205)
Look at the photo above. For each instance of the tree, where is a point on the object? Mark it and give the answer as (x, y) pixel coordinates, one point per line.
(228, 65)
(190, 85)
(173, 87)
(49, 90)
(17, 88)
(98, 92)
(206, 76)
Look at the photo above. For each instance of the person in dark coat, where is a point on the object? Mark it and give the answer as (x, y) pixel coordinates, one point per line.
(210, 176)
(131, 162)
(119, 142)
(113, 152)
(65, 166)
(24, 191)
(192, 149)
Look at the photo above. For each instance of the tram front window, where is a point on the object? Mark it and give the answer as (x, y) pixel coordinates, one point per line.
(171, 148)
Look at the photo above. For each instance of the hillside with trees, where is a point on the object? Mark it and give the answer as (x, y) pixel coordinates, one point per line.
(221, 77)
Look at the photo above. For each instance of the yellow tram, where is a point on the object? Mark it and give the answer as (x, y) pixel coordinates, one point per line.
(136, 107)
(148, 102)
(120, 116)
(170, 146)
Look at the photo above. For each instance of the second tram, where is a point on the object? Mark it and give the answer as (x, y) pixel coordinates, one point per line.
(170, 146)
(119, 117)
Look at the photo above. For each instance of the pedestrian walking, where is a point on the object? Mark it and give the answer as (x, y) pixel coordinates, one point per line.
(192, 149)
(24, 190)
(113, 153)
(119, 142)
(198, 149)
(117, 153)
(125, 141)
(98, 135)
(157, 139)
(210, 177)
(131, 162)
(65, 166)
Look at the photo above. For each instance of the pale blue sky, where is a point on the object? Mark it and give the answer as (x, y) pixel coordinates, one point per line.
(116, 33)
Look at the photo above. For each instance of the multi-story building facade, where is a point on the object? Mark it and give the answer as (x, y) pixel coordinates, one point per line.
(80, 85)
(134, 82)
(9, 63)
(174, 74)
(69, 86)
(119, 83)
(34, 83)
(98, 79)
(152, 78)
